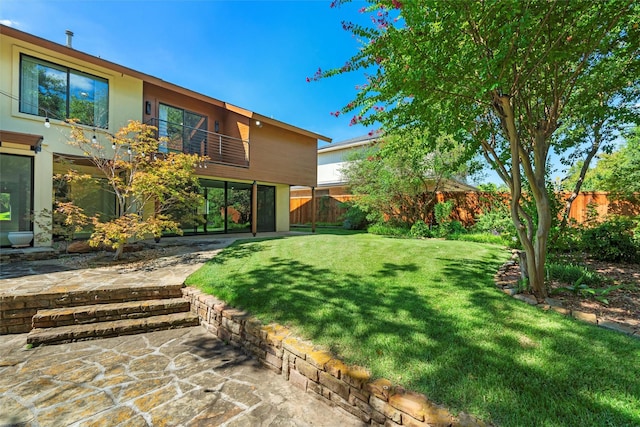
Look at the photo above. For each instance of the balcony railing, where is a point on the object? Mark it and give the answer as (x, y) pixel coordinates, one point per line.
(222, 149)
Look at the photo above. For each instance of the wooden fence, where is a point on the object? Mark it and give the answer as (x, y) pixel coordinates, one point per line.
(467, 205)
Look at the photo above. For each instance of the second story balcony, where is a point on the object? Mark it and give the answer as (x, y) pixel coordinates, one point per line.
(222, 149)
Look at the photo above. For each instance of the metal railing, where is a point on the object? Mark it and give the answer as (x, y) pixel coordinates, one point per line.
(221, 149)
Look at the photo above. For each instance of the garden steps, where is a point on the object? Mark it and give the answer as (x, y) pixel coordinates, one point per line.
(108, 312)
(56, 317)
(87, 331)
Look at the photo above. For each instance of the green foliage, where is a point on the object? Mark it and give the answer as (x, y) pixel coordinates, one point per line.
(566, 272)
(613, 240)
(386, 229)
(154, 194)
(455, 227)
(566, 240)
(624, 178)
(579, 287)
(420, 229)
(355, 218)
(523, 285)
(617, 172)
(496, 221)
(442, 212)
(591, 182)
(397, 177)
(479, 238)
(499, 78)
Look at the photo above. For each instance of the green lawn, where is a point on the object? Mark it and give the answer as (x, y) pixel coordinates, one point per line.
(425, 314)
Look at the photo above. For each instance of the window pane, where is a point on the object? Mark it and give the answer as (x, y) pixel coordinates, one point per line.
(29, 87)
(238, 207)
(95, 197)
(89, 98)
(15, 194)
(195, 133)
(43, 89)
(214, 205)
(266, 208)
(170, 126)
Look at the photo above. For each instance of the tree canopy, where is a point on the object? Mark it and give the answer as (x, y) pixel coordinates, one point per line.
(397, 177)
(154, 192)
(500, 77)
(617, 172)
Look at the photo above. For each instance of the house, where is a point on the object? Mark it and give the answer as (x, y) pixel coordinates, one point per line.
(253, 159)
(333, 188)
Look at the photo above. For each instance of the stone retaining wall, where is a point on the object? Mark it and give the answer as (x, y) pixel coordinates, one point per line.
(17, 311)
(376, 402)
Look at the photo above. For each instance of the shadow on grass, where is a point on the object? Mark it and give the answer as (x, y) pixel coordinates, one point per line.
(458, 339)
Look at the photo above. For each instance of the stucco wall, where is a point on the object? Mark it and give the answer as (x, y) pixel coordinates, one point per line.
(125, 103)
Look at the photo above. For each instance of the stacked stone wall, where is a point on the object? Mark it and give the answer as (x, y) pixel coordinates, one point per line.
(376, 402)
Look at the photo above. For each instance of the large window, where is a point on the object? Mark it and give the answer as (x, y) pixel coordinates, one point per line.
(50, 90)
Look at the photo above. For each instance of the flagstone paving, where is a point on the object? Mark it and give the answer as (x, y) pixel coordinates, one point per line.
(178, 377)
(167, 378)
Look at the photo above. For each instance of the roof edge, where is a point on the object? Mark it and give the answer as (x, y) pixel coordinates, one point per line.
(83, 56)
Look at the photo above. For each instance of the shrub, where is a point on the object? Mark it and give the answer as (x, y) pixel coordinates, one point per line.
(442, 212)
(566, 239)
(385, 229)
(455, 227)
(613, 240)
(495, 221)
(420, 229)
(355, 218)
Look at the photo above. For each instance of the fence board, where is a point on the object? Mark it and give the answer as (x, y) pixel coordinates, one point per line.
(467, 205)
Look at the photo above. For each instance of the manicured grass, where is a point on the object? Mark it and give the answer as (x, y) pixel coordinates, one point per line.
(425, 314)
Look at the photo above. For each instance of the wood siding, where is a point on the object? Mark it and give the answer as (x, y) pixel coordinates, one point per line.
(276, 155)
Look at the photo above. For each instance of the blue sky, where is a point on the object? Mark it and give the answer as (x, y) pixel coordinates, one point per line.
(254, 54)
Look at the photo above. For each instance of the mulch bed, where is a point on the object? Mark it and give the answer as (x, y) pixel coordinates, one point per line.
(623, 304)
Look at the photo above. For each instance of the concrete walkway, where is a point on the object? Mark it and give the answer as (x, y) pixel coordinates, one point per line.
(181, 377)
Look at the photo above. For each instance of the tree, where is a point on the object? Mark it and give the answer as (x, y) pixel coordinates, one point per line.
(594, 122)
(500, 77)
(398, 177)
(575, 177)
(154, 192)
(617, 172)
(624, 178)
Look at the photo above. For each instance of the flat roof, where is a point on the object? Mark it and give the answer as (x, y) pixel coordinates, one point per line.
(349, 143)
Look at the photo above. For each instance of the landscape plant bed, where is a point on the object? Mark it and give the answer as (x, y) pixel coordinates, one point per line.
(426, 315)
(622, 305)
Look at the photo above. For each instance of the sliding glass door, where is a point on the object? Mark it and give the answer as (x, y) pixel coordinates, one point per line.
(227, 208)
(16, 195)
(185, 131)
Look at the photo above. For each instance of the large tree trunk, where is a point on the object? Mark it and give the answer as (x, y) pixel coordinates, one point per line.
(536, 268)
(535, 246)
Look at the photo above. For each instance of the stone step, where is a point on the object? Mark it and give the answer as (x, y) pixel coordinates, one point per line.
(17, 311)
(51, 318)
(64, 334)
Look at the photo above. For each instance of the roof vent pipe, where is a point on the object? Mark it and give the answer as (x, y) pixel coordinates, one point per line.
(69, 34)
